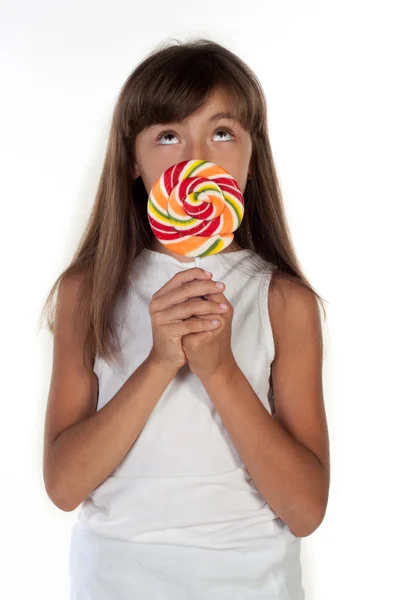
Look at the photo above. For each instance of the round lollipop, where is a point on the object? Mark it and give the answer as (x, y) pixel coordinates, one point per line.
(194, 207)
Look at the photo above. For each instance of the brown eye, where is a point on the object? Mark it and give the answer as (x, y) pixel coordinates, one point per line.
(172, 134)
(163, 134)
(225, 130)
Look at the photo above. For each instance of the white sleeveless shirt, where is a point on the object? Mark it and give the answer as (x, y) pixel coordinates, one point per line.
(180, 516)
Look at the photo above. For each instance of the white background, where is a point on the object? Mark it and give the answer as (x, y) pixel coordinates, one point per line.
(329, 72)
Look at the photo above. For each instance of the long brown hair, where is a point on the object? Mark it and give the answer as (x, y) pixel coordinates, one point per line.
(170, 84)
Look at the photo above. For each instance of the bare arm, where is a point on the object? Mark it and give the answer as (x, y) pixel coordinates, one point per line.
(287, 457)
(86, 453)
(82, 446)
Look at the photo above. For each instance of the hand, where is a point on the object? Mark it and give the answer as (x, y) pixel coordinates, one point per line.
(208, 352)
(172, 309)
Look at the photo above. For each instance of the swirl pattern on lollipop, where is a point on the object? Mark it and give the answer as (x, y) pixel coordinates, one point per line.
(194, 207)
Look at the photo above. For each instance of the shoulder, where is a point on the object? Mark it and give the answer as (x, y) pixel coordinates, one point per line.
(293, 311)
(71, 286)
(69, 309)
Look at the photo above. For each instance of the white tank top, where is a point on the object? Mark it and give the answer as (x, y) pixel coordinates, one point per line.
(182, 485)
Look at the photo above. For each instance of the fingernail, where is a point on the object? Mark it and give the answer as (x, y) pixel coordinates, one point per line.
(220, 285)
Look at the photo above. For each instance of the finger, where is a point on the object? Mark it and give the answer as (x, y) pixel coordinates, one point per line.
(182, 277)
(217, 297)
(195, 308)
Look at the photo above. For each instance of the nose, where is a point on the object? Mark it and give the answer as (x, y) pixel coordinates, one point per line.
(197, 150)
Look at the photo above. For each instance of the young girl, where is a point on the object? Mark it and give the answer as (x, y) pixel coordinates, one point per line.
(199, 451)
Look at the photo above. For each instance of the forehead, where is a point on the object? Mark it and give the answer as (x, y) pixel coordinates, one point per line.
(216, 107)
(219, 99)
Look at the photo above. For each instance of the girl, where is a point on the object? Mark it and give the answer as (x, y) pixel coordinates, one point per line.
(199, 451)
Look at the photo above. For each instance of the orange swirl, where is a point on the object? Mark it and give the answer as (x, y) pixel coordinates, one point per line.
(194, 207)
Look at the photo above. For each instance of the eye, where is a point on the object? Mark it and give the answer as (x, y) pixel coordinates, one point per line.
(172, 134)
(225, 130)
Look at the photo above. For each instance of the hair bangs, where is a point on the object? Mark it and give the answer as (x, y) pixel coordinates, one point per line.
(178, 86)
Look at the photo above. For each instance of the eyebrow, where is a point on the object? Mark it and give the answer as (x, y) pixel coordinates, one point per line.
(215, 117)
(222, 115)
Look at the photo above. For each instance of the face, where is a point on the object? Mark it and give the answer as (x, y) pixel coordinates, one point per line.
(221, 141)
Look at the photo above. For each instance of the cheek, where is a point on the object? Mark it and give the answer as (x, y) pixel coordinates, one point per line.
(242, 182)
(154, 169)
(238, 167)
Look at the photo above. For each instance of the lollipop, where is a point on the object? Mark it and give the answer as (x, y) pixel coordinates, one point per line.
(194, 207)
